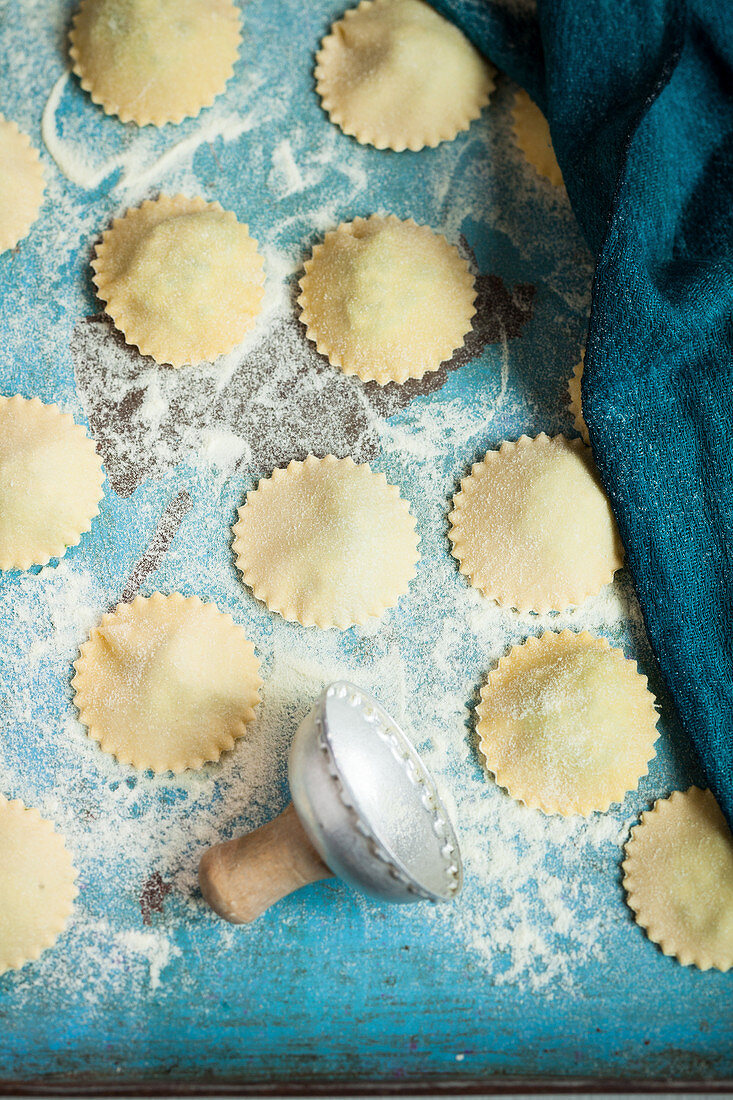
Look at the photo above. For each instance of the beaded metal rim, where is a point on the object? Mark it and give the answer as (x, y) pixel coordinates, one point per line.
(406, 755)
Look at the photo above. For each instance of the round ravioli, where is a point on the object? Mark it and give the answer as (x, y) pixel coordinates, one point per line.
(167, 683)
(532, 527)
(386, 299)
(532, 135)
(50, 482)
(567, 725)
(37, 888)
(576, 400)
(181, 279)
(678, 876)
(21, 185)
(395, 74)
(154, 61)
(326, 542)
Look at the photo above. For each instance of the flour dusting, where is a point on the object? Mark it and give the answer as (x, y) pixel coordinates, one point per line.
(181, 448)
(137, 166)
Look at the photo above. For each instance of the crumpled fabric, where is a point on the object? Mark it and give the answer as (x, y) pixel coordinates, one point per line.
(639, 98)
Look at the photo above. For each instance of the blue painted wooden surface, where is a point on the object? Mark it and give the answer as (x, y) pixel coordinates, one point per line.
(539, 968)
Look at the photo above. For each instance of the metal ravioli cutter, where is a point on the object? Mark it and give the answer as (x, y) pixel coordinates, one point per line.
(364, 808)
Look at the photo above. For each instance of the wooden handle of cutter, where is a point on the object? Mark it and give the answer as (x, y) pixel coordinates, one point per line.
(242, 878)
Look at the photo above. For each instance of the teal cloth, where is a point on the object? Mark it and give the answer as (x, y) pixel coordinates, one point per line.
(639, 98)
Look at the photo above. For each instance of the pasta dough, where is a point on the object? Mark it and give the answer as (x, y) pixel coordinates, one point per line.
(532, 135)
(395, 74)
(532, 527)
(154, 61)
(50, 482)
(181, 278)
(21, 185)
(385, 299)
(576, 402)
(166, 682)
(567, 724)
(678, 876)
(326, 542)
(37, 888)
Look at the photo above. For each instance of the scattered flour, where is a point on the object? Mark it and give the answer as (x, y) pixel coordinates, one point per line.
(156, 949)
(528, 912)
(285, 177)
(69, 160)
(534, 906)
(137, 170)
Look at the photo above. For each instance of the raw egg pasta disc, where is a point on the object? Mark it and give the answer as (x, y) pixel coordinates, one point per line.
(567, 725)
(326, 542)
(678, 877)
(167, 683)
(532, 527)
(386, 299)
(50, 482)
(37, 888)
(154, 61)
(532, 135)
(21, 185)
(181, 279)
(576, 402)
(395, 74)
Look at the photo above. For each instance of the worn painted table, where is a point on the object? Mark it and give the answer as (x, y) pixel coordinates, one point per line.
(538, 969)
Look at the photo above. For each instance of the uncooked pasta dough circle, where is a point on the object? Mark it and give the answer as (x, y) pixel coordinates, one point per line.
(386, 299)
(167, 683)
(37, 888)
(50, 482)
(567, 724)
(532, 527)
(326, 542)
(395, 74)
(678, 876)
(181, 279)
(576, 400)
(21, 185)
(532, 135)
(154, 61)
